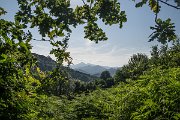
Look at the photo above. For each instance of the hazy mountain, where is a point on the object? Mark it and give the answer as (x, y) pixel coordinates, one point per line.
(92, 69)
(82, 64)
(81, 71)
(48, 64)
(79, 65)
(45, 63)
(112, 71)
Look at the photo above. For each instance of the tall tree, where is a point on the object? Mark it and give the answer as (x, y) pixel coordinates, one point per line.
(105, 75)
(137, 64)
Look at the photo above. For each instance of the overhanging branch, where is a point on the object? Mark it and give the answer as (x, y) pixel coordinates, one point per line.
(157, 10)
(41, 40)
(169, 4)
(83, 2)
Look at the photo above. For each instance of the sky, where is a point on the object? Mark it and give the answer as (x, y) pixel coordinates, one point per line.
(121, 43)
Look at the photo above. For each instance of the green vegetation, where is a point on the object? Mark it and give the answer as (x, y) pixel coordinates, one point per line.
(145, 88)
(155, 95)
(47, 64)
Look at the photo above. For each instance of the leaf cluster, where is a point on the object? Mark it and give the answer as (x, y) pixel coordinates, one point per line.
(164, 31)
(153, 96)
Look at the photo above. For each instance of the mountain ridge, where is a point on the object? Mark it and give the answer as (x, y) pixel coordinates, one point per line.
(46, 63)
(93, 69)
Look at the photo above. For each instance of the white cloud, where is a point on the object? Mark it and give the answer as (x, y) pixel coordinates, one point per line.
(114, 56)
(88, 43)
(41, 48)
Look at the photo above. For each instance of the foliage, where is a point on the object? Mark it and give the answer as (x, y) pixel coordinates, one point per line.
(47, 64)
(19, 98)
(110, 82)
(79, 87)
(16, 84)
(137, 64)
(62, 16)
(154, 95)
(105, 75)
(166, 56)
(100, 83)
(56, 18)
(55, 83)
(164, 31)
(23, 94)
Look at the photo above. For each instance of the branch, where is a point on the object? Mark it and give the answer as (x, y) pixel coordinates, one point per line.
(157, 12)
(41, 39)
(91, 5)
(169, 4)
(83, 2)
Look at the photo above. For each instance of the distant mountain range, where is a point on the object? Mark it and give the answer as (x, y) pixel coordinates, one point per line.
(92, 69)
(48, 64)
(82, 71)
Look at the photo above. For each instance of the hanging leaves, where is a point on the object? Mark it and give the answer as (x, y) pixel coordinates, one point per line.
(163, 31)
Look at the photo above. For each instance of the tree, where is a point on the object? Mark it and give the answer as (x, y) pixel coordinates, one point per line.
(106, 79)
(137, 64)
(17, 86)
(154, 55)
(105, 75)
(55, 18)
(163, 31)
(121, 75)
(165, 56)
(154, 96)
(109, 82)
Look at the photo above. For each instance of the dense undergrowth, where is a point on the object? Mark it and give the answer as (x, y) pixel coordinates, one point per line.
(145, 88)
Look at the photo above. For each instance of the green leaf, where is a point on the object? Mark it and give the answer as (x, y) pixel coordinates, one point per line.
(3, 58)
(23, 45)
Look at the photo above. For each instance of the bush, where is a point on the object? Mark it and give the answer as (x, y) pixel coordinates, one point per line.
(155, 95)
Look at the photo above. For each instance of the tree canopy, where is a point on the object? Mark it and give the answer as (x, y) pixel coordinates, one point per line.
(56, 18)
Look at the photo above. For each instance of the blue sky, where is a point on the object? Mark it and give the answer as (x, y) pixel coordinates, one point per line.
(122, 43)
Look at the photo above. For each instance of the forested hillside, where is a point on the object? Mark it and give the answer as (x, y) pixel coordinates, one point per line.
(95, 70)
(48, 64)
(34, 87)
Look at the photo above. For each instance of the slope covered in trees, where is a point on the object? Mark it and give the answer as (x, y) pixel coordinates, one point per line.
(48, 64)
(151, 94)
(96, 70)
(155, 95)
